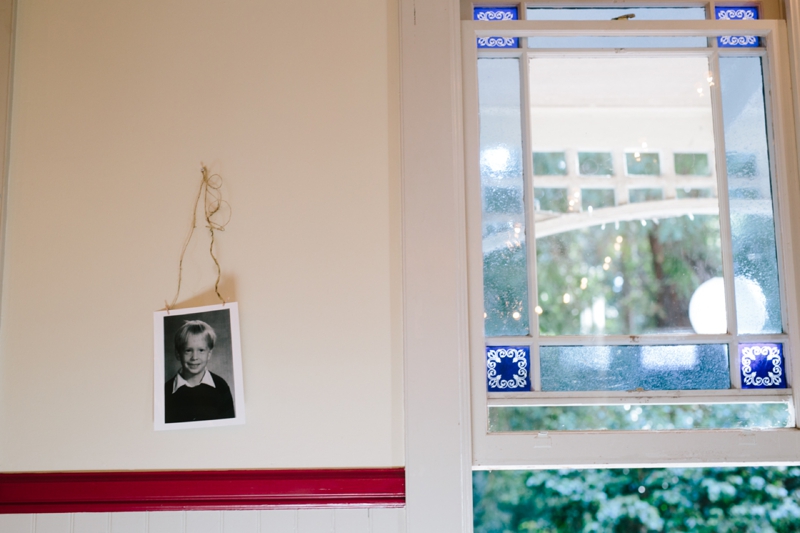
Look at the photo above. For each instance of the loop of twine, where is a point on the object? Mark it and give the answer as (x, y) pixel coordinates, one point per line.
(209, 190)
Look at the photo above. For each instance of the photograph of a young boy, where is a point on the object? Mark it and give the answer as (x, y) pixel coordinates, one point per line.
(195, 393)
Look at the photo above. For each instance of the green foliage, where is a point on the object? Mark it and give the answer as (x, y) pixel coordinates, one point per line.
(640, 417)
(644, 274)
(700, 500)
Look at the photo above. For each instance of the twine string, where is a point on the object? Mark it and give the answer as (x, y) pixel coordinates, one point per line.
(211, 194)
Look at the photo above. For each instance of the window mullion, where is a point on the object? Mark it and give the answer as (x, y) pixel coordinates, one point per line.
(530, 230)
(724, 218)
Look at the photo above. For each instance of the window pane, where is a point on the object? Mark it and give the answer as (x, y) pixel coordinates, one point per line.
(549, 163)
(554, 200)
(608, 13)
(596, 198)
(631, 263)
(617, 42)
(692, 165)
(586, 368)
(595, 164)
(640, 417)
(755, 261)
(579, 13)
(505, 268)
(646, 195)
(695, 193)
(640, 163)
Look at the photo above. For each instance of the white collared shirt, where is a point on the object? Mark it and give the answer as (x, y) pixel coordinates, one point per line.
(180, 382)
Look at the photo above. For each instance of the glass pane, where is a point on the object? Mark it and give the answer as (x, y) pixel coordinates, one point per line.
(627, 260)
(507, 368)
(595, 164)
(579, 13)
(592, 199)
(505, 271)
(694, 193)
(692, 165)
(640, 417)
(549, 163)
(762, 366)
(496, 13)
(617, 42)
(646, 195)
(640, 163)
(555, 200)
(586, 368)
(737, 13)
(755, 258)
(608, 13)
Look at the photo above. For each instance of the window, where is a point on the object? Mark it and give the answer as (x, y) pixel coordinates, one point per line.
(636, 282)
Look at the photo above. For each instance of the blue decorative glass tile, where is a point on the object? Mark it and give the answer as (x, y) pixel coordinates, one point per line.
(491, 14)
(737, 13)
(507, 368)
(762, 366)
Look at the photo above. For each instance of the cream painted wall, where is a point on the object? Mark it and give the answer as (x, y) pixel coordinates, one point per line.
(115, 105)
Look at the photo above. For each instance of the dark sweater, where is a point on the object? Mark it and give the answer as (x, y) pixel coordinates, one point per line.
(202, 402)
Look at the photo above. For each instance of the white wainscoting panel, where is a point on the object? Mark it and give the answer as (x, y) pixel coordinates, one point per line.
(16, 523)
(91, 522)
(240, 522)
(203, 522)
(53, 523)
(377, 520)
(281, 521)
(352, 520)
(129, 523)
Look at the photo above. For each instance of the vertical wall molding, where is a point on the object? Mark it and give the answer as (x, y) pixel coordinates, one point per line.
(8, 10)
(438, 453)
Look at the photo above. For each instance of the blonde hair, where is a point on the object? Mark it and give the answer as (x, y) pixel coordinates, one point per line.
(194, 327)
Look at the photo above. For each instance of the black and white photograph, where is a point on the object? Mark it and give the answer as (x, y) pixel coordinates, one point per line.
(198, 368)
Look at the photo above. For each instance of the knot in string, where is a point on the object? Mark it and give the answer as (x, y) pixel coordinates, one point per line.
(213, 203)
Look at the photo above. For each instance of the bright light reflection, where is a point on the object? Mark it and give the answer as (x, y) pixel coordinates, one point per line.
(669, 358)
(496, 159)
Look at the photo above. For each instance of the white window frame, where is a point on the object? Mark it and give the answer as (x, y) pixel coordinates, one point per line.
(437, 401)
(559, 449)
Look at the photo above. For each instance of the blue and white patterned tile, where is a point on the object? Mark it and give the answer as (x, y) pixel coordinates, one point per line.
(737, 13)
(496, 14)
(762, 366)
(507, 368)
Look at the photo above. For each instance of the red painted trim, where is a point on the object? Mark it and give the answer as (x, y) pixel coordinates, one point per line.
(66, 492)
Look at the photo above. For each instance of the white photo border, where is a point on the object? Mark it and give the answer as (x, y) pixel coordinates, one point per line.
(159, 378)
